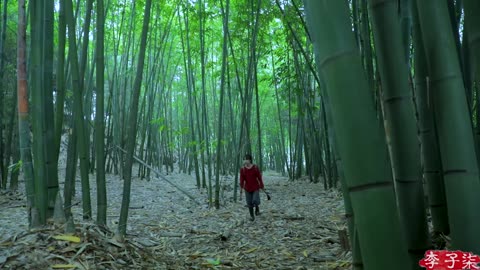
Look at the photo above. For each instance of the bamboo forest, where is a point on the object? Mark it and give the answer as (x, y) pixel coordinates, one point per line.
(240, 134)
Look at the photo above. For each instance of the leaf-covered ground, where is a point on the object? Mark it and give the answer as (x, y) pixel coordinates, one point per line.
(297, 229)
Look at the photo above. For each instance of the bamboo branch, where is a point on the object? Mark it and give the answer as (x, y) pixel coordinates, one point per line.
(161, 176)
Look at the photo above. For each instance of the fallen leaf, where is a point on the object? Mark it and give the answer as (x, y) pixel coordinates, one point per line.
(63, 266)
(7, 243)
(70, 238)
(195, 255)
(213, 261)
(288, 254)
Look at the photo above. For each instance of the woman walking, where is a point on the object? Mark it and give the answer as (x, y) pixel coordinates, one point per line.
(251, 181)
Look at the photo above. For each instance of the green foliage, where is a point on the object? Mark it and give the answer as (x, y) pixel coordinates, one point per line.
(69, 93)
(164, 63)
(15, 166)
(213, 262)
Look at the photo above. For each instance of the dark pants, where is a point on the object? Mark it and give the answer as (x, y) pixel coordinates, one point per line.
(253, 198)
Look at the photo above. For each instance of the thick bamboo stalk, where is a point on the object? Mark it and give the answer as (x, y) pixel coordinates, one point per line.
(132, 122)
(455, 135)
(79, 123)
(432, 165)
(23, 109)
(360, 137)
(100, 116)
(402, 127)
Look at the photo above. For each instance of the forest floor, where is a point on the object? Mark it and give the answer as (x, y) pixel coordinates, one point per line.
(297, 229)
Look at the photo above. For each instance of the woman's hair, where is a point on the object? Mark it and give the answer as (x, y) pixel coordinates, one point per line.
(248, 157)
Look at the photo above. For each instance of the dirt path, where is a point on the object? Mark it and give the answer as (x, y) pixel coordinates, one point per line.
(298, 228)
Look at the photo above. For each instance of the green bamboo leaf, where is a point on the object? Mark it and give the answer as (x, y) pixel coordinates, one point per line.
(15, 166)
(162, 128)
(213, 261)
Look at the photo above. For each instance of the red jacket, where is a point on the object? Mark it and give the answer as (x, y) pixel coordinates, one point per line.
(251, 179)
